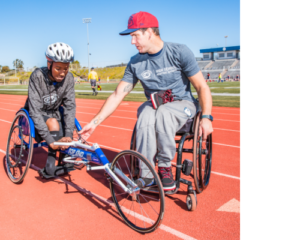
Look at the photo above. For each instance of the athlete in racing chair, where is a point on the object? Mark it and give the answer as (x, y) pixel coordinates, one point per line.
(164, 70)
(49, 88)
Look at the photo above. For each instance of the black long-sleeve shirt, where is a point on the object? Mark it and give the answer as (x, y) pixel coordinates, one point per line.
(44, 99)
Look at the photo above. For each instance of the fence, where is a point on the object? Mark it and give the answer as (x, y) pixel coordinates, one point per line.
(4, 80)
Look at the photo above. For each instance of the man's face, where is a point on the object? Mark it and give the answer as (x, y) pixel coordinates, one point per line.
(141, 40)
(59, 70)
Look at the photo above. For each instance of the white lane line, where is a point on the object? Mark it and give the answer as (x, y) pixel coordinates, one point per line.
(108, 202)
(110, 127)
(132, 130)
(226, 129)
(225, 175)
(5, 121)
(226, 145)
(98, 108)
(9, 110)
(133, 92)
(76, 107)
(109, 116)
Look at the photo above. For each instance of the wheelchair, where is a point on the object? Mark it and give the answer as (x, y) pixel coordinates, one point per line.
(141, 211)
(201, 164)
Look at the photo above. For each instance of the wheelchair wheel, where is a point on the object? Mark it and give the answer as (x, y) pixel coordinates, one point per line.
(191, 202)
(142, 211)
(202, 158)
(19, 148)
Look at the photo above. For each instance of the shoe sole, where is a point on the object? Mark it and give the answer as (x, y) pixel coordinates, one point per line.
(152, 100)
(169, 188)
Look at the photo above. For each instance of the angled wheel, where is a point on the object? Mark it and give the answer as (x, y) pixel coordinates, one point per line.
(142, 211)
(202, 158)
(19, 148)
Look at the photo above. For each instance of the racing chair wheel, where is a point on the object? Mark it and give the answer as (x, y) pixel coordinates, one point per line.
(202, 158)
(19, 147)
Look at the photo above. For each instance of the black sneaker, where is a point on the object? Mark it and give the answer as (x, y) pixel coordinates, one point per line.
(161, 97)
(145, 182)
(43, 174)
(166, 177)
(96, 93)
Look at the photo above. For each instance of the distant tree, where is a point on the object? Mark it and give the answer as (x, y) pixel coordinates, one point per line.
(18, 63)
(5, 69)
(77, 63)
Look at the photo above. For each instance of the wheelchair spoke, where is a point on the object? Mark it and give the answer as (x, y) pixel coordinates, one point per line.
(149, 204)
(127, 167)
(155, 199)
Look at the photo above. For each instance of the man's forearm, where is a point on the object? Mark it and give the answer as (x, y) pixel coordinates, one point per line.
(108, 108)
(205, 100)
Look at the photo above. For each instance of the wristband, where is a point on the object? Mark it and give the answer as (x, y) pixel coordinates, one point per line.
(210, 117)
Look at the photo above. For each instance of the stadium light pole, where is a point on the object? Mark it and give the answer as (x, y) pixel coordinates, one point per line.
(87, 21)
(226, 41)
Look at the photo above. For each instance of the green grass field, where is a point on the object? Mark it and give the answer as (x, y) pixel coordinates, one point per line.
(222, 101)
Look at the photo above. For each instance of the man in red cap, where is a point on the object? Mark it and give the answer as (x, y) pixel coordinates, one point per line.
(165, 71)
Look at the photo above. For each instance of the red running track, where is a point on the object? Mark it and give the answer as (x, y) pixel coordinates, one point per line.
(78, 207)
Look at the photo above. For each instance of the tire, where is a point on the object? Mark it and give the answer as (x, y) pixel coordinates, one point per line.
(19, 148)
(137, 210)
(191, 202)
(202, 159)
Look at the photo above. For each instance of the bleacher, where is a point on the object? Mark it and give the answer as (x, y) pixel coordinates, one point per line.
(220, 64)
(203, 64)
(237, 66)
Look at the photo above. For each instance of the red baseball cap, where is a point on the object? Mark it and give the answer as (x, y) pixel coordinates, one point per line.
(140, 20)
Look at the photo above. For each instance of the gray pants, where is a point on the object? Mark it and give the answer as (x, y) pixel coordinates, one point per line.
(156, 129)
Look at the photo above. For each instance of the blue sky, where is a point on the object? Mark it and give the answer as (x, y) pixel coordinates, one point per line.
(28, 27)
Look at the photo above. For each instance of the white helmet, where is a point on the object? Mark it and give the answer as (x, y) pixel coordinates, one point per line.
(59, 52)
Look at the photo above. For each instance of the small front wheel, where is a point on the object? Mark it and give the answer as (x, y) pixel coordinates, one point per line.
(191, 202)
(142, 211)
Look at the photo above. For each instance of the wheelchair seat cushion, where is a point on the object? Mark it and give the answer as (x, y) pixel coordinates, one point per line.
(187, 127)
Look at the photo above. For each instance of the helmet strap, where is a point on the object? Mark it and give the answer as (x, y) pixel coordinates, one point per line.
(50, 70)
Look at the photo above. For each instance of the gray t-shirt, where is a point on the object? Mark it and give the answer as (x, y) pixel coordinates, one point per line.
(168, 70)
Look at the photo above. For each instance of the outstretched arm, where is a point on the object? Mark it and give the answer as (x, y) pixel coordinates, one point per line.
(110, 105)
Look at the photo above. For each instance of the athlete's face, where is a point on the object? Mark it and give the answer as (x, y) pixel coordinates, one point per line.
(59, 70)
(141, 40)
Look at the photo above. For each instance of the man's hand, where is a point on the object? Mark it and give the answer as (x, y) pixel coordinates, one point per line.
(205, 128)
(57, 147)
(87, 130)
